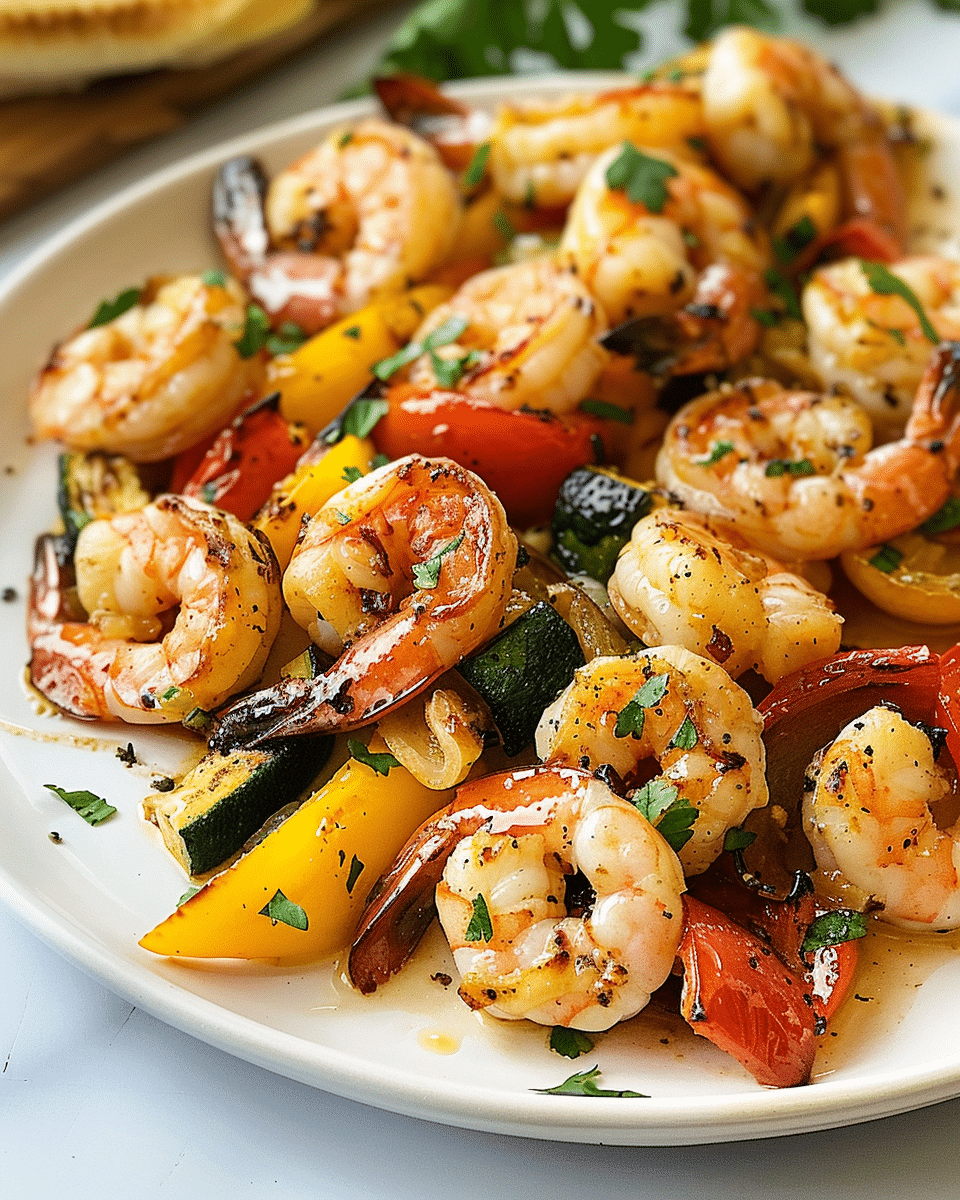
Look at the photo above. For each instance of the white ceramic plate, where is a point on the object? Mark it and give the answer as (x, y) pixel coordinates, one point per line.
(413, 1048)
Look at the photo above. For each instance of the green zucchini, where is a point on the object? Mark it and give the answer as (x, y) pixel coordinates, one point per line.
(226, 798)
(93, 485)
(523, 670)
(595, 513)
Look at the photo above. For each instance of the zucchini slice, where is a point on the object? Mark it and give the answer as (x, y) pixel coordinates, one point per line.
(595, 513)
(93, 485)
(523, 670)
(226, 798)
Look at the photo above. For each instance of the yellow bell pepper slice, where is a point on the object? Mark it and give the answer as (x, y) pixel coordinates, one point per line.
(320, 377)
(307, 489)
(315, 871)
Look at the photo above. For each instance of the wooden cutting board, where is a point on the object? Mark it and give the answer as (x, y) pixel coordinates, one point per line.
(46, 141)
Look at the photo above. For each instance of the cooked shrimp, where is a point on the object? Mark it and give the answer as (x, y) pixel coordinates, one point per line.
(683, 580)
(680, 709)
(868, 817)
(689, 248)
(773, 107)
(183, 604)
(511, 839)
(529, 339)
(371, 209)
(872, 345)
(533, 960)
(402, 574)
(152, 381)
(541, 151)
(795, 470)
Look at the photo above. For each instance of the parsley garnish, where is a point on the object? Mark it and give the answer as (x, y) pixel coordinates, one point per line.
(427, 574)
(571, 1043)
(631, 717)
(345, 139)
(686, 736)
(353, 331)
(282, 911)
(718, 451)
(644, 179)
(834, 928)
(503, 225)
(671, 814)
(478, 164)
(362, 415)
(886, 559)
(781, 287)
(188, 895)
(885, 283)
(480, 927)
(797, 238)
(943, 519)
(765, 317)
(784, 466)
(443, 335)
(449, 371)
(256, 332)
(214, 279)
(289, 337)
(609, 412)
(352, 474)
(585, 1084)
(342, 517)
(109, 310)
(356, 870)
(379, 460)
(381, 763)
(94, 809)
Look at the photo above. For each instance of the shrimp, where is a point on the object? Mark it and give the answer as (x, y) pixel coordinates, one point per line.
(501, 850)
(683, 580)
(541, 151)
(867, 814)
(529, 339)
(872, 345)
(795, 470)
(402, 574)
(686, 250)
(152, 381)
(773, 107)
(371, 209)
(680, 709)
(182, 603)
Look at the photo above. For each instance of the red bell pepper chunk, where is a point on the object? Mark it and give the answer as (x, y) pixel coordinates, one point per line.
(948, 700)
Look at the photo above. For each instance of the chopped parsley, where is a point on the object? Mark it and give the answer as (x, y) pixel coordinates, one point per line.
(288, 337)
(584, 1083)
(834, 928)
(609, 412)
(109, 310)
(947, 517)
(671, 814)
(188, 895)
(630, 719)
(480, 927)
(886, 559)
(571, 1043)
(449, 371)
(214, 279)
(686, 736)
(282, 911)
(477, 166)
(796, 239)
(356, 870)
(503, 225)
(256, 332)
(644, 179)
(427, 574)
(885, 283)
(362, 415)
(351, 474)
(784, 290)
(443, 335)
(719, 450)
(94, 809)
(381, 763)
(785, 466)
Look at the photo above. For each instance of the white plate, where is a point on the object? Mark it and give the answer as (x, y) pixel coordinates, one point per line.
(94, 894)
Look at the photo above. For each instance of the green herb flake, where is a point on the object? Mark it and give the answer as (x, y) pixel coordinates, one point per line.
(362, 416)
(608, 412)
(886, 559)
(671, 814)
(765, 317)
(834, 928)
(427, 574)
(797, 238)
(170, 693)
(282, 911)
(289, 337)
(654, 798)
(503, 225)
(943, 519)
(885, 283)
(570, 1043)
(94, 809)
(449, 371)
(345, 139)
(737, 839)
(480, 927)
(718, 450)
(443, 335)
(356, 870)
(686, 736)
(352, 331)
(256, 332)
(478, 165)
(584, 1083)
(109, 310)
(381, 763)
(631, 717)
(213, 279)
(785, 466)
(782, 288)
(379, 460)
(644, 179)
(188, 895)
(351, 474)
(342, 517)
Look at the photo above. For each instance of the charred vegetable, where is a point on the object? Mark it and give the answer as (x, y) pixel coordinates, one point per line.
(595, 511)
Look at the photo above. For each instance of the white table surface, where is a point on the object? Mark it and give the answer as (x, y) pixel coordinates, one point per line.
(101, 1100)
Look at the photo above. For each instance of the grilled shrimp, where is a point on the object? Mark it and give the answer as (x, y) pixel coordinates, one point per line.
(371, 209)
(795, 470)
(152, 381)
(402, 574)
(773, 108)
(867, 814)
(683, 711)
(872, 345)
(529, 338)
(684, 580)
(182, 605)
(496, 859)
(687, 250)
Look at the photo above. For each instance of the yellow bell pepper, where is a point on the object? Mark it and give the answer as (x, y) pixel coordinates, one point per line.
(314, 871)
(319, 378)
(307, 489)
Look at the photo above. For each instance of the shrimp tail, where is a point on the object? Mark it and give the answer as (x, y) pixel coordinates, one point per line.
(239, 193)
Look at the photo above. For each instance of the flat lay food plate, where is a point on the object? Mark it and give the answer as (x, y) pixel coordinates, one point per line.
(412, 1048)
